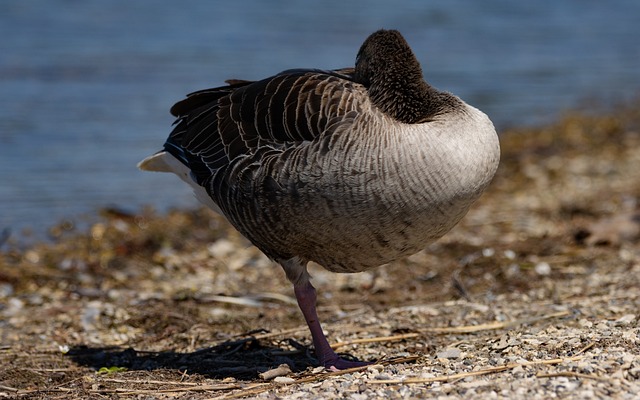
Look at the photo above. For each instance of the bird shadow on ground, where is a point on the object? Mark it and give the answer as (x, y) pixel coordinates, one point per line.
(240, 359)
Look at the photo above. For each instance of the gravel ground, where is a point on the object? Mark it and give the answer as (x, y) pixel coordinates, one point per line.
(535, 295)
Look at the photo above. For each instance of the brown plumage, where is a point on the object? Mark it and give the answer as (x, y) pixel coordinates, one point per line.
(350, 168)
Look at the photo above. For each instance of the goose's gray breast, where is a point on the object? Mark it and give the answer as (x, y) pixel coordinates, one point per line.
(369, 193)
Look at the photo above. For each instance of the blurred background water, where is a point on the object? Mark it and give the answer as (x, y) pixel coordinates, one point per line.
(85, 85)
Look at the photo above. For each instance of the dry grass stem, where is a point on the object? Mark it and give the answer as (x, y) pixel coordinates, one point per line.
(495, 325)
(376, 340)
(570, 374)
(484, 371)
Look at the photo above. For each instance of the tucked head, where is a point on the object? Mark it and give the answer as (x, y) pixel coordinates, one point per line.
(390, 71)
(384, 57)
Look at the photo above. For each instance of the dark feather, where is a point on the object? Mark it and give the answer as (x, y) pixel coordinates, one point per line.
(216, 126)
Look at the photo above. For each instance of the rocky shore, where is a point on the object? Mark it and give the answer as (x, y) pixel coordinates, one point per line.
(536, 295)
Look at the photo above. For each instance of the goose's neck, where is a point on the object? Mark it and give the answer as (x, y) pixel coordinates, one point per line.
(413, 102)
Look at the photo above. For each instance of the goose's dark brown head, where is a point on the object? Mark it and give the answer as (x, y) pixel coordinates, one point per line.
(390, 71)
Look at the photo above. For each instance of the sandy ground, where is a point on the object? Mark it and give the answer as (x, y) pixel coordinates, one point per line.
(536, 294)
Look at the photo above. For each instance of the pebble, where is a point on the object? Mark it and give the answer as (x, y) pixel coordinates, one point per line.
(488, 252)
(585, 323)
(222, 248)
(375, 367)
(284, 379)
(450, 353)
(14, 307)
(6, 290)
(543, 268)
(627, 319)
(510, 254)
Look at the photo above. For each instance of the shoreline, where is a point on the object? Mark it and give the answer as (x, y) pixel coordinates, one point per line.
(28, 234)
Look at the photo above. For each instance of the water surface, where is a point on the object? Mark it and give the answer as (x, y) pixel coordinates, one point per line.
(86, 85)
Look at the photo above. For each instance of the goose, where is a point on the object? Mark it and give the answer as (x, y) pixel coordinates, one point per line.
(350, 168)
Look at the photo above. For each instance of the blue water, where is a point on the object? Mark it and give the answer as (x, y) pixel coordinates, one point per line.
(85, 85)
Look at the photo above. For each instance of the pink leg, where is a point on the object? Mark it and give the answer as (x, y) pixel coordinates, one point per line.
(306, 296)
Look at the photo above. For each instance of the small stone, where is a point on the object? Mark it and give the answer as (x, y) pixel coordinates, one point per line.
(298, 395)
(14, 306)
(32, 256)
(513, 270)
(284, 379)
(518, 370)
(376, 367)
(450, 353)
(221, 248)
(510, 254)
(585, 323)
(543, 268)
(625, 320)
(6, 290)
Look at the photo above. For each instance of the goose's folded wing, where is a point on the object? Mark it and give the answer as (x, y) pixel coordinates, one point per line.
(216, 126)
